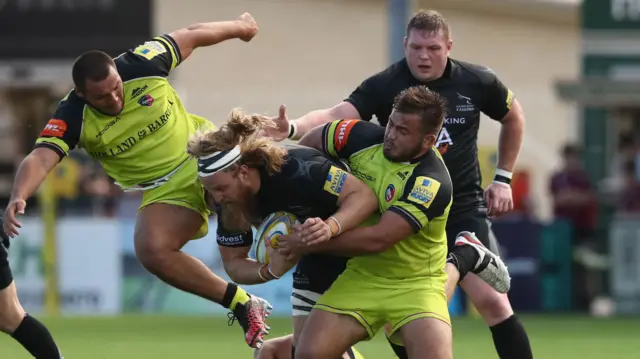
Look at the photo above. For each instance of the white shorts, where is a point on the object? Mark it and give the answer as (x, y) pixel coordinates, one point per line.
(302, 301)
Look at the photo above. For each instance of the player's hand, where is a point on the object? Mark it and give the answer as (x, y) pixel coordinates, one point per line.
(281, 129)
(280, 263)
(314, 231)
(499, 198)
(250, 27)
(291, 244)
(10, 223)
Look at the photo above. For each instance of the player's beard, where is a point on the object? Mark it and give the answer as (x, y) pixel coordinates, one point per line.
(237, 215)
(402, 154)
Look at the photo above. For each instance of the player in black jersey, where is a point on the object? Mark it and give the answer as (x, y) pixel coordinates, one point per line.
(469, 89)
(251, 178)
(14, 321)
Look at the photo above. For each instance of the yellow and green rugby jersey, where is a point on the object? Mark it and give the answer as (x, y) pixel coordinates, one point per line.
(147, 140)
(419, 191)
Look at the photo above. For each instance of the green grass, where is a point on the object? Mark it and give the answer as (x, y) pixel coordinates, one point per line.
(141, 337)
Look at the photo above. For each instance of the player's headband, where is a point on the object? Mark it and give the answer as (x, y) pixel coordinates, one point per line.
(217, 161)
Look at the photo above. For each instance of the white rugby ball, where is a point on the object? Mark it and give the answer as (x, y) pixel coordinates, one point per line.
(275, 225)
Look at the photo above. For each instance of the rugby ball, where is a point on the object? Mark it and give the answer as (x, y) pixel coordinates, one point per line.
(275, 225)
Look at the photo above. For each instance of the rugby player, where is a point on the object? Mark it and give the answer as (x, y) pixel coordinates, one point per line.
(469, 90)
(397, 276)
(126, 115)
(250, 178)
(22, 327)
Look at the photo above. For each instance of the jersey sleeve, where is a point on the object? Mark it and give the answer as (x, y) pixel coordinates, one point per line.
(325, 182)
(497, 98)
(156, 57)
(62, 133)
(366, 97)
(227, 238)
(343, 138)
(424, 198)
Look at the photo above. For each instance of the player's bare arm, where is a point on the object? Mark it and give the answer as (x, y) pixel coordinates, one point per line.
(295, 129)
(31, 173)
(498, 195)
(240, 268)
(211, 33)
(391, 229)
(356, 202)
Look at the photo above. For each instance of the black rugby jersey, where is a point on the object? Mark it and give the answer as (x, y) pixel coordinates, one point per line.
(469, 89)
(302, 187)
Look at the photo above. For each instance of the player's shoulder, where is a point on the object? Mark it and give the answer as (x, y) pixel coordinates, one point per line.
(432, 167)
(140, 61)
(71, 108)
(395, 72)
(349, 137)
(472, 72)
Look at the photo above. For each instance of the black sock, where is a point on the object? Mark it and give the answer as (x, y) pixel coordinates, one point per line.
(511, 340)
(464, 258)
(35, 337)
(293, 352)
(228, 295)
(401, 352)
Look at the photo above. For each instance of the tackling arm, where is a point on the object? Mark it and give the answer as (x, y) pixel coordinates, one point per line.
(356, 203)
(313, 119)
(391, 229)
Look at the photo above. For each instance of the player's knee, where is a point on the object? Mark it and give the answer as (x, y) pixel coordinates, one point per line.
(11, 312)
(151, 256)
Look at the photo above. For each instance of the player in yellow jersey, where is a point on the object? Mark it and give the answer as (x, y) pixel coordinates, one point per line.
(126, 115)
(398, 276)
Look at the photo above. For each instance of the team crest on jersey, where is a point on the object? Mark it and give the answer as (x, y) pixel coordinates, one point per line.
(389, 193)
(146, 100)
(466, 105)
(424, 191)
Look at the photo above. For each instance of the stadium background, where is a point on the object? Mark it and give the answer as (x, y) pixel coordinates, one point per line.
(574, 66)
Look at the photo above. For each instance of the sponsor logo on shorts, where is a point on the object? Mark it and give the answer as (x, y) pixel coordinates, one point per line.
(424, 191)
(54, 128)
(335, 180)
(146, 100)
(390, 192)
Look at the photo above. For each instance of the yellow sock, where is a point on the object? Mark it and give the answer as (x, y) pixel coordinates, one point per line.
(357, 354)
(241, 297)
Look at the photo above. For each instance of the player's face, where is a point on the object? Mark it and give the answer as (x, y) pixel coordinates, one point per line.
(233, 191)
(404, 139)
(229, 187)
(107, 96)
(427, 54)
